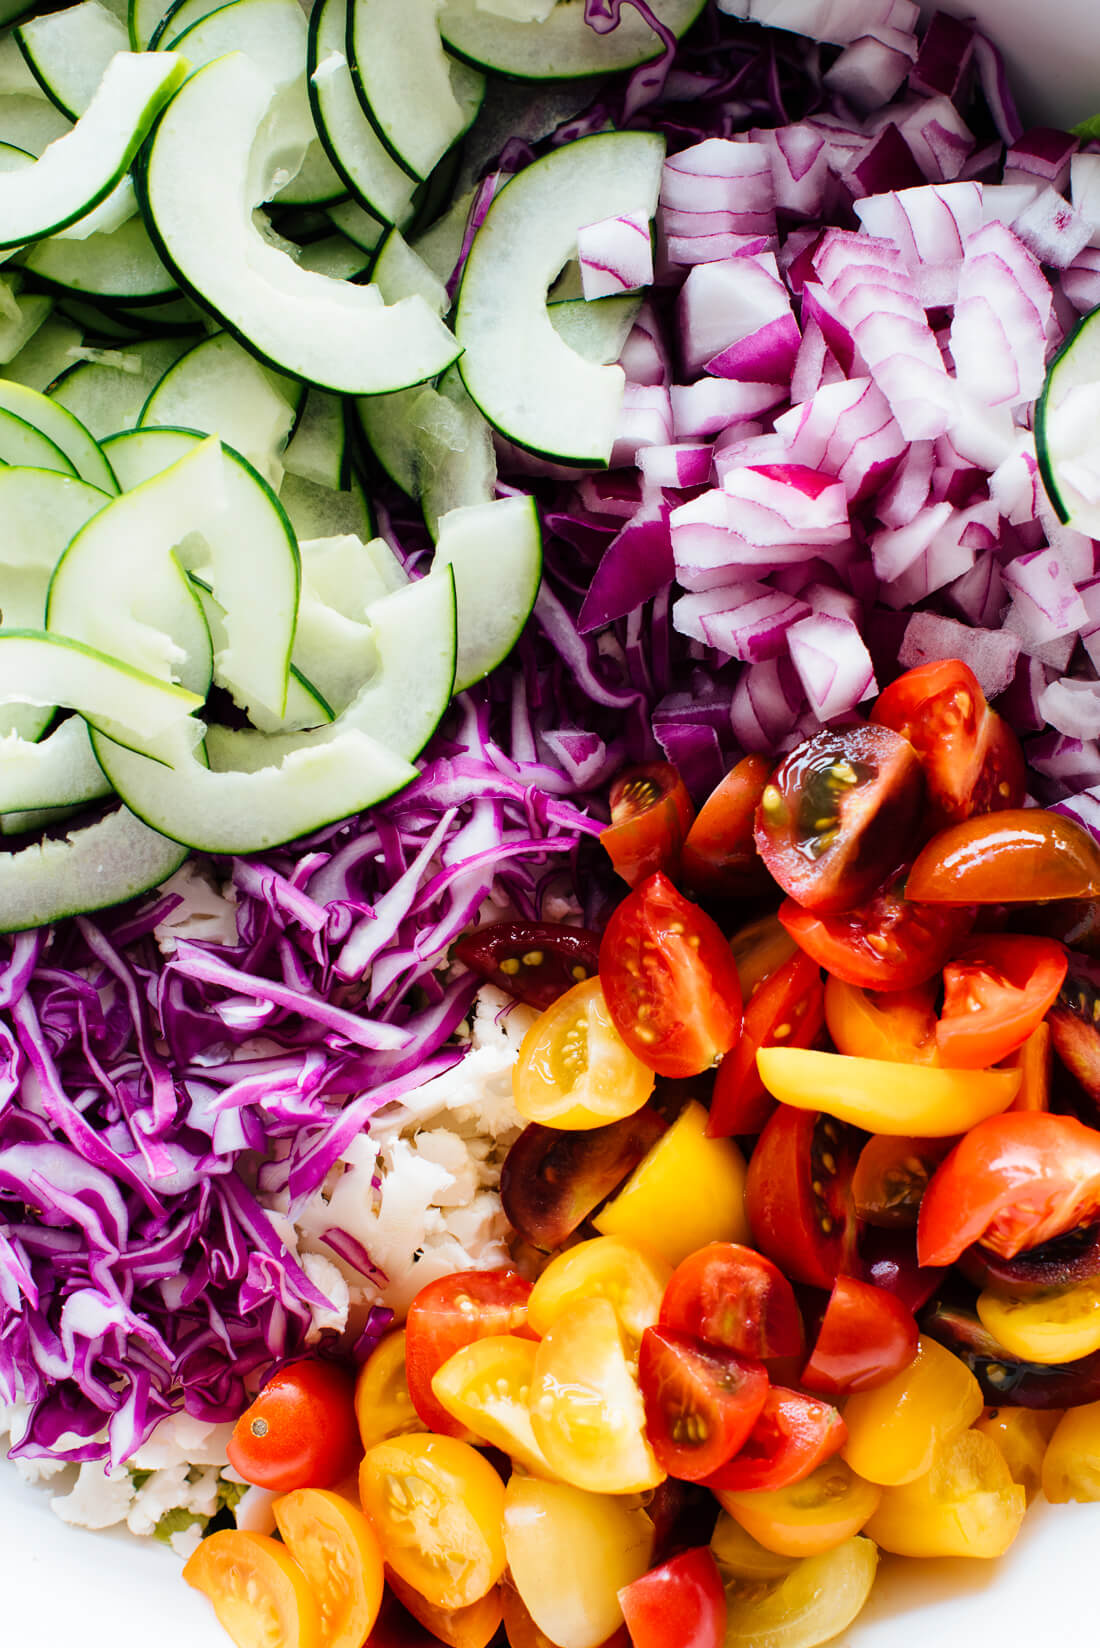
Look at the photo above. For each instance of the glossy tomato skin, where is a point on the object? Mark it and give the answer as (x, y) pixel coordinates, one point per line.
(552, 1179)
(719, 857)
(670, 981)
(1015, 1181)
(1009, 1379)
(1074, 1022)
(787, 1008)
(301, 1430)
(1022, 856)
(840, 813)
(701, 1401)
(997, 989)
(866, 1336)
(651, 813)
(889, 943)
(733, 1297)
(681, 1602)
(1061, 1263)
(798, 1195)
(972, 760)
(896, 1025)
(533, 961)
(449, 1314)
(792, 1437)
(888, 1260)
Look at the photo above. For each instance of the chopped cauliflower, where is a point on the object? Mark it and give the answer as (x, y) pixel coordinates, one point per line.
(100, 1497)
(208, 910)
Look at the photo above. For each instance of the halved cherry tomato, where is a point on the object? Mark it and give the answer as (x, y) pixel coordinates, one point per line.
(815, 1601)
(894, 1429)
(334, 1545)
(1062, 1325)
(786, 1010)
(792, 1437)
(574, 1069)
(552, 1178)
(651, 814)
(1022, 1435)
(866, 1336)
(1013, 1182)
(889, 943)
(886, 1098)
(670, 980)
(632, 1277)
(719, 856)
(814, 1515)
(682, 1513)
(383, 1405)
(888, 1260)
(840, 813)
(1071, 1464)
(798, 1195)
(301, 1431)
(700, 1402)
(452, 1312)
(1023, 856)
(892, 1175)
(258, 1591)
(897, 1025)
(735, 1298)
(965, 1504)
(522, 1632)
(759, 949)
(997, 988)
(473, 1626)
(680, 1602)
(972, 760)
(534, 961)
(484, 1387)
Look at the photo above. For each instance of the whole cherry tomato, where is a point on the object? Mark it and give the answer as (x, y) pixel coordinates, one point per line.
(449, 1314)
(788, 1009)
(733, 1297)
(651, 813)
(798, 1195)
(681, 1602)
(701, 1402)
(792, 1437)
(719, 856)
(997, 988)
(866, 1336)
(534, 961)
(301, 1430)
(1023, 856)
(888, 943)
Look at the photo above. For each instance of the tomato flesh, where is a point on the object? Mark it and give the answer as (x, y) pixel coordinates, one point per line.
(256, 1589)
(552, 1179)
(449, 1314)
(681, 1602)
(866, 1336)
(890, 943)
(892, 1175)
(575, 1071)
(997, 989)
(719, 856)
(786, 1009)
(301, 1430)
(1023, 856)
(736, 1299)
(792, 1437)
(332, 1542)
(896, 1025)
(533, 961)
(651, 813)
(701, 1402)
(798, 1195)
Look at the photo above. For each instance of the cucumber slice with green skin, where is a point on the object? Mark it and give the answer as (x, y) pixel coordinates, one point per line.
(121, 267)
(81, 168)
(398, 271)
(1065, 427)
(107, 399)
(272, 33)
(93, 867)
(59, 771)
(37, 819)
(357, 224)
(66, 432)
(217, 387)
(318, 451)
(349, 575)
(335, 653)
(318, 512)
(597, 329)
(31, 123)
(495, 552)
(45, 356)
(338, 257)
(196, 198)
(315, 183)
(177, 318)
(175, 19)
(68, 52)
(118, 208)
(528, 383)
(434, 444)
(305, 707)
(142, 20)
(439, 247)
(563, 47)
(48, 669)
(403, 702)
(419, 100)
(21, 443)
(351, 142)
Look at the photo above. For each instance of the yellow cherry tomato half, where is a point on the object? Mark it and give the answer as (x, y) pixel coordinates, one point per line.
(965, 1504)
(474, 1626)
(883, 1097)
(605, 1268)
(687, 1191)
(824, 1509)
(259, 1593)
(1059, 1325)
(1022, 1435)
(895, 1429)
(586, 1407)
(383, 1405)
(1071, 1464)
(486, 1386)
(334, 1545)
(740, 1556)
(814, 1603)
(898, 1026)
(435, 1505)
(574, 1069)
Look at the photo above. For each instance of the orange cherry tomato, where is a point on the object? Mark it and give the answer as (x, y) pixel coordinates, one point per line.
(651, 813)
(997, 988)
(814, 1515)
(448, 1314)
(1023, 856)
(301, 1430)
(1033, 1059)
(896, 1025)
(473, 1626)
(719, 856)
(258, 1591)
(333, 1543)
(867, 1335)
(787, 1010)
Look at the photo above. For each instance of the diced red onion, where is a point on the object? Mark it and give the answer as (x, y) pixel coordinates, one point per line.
(645, 419)
(706, 407)
(998, 333)
(766, 704)
(788, 503)
(906, 492)
(833, 664)
(615, 255)
(1073, 763)
(719, 175)
(634, 567)
(1073, 707)
(800, 167)
(838, 603)
(936, 135)
(980, 593)
(1051, 229)
(1041, 153)
(869, 71)
(929, 226)
(645, 357)
(722, 303)
(1043, 593)
(991, 654)
(1084, 190)
(944, 57)
(847, 430)
(894, 549)
(1081, 280)
(748, 621)
(681, 465)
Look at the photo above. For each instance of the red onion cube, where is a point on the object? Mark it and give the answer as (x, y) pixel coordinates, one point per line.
(1043, 153)
(788, 503)
(719, 175)
(833, 664)
(722, 303)
(709, 405)
(814, 365)
(937, 136)
(846, 429)
(1081, 280)
(929, 226)
(645, 358)
(1051, 228)
(906, 492)
(645, 419)
(991, 654)
(1073, 763)
(836, 22)
(980, 593)
(1090, 629)
(1073, 707)
(944, 56)
(1084, 191)
(1044, 595)
(998, 334)
(583, 755)
(895, 549)
(615, 255)
(869, 71)
(766, 704)
(800, 167)
(680, 465)
(1085, 808)
(746, 621)
(1014, 485)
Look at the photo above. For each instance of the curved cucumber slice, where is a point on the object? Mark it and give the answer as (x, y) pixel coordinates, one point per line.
(64, 429)
(31, 123)
(108, 399)
(357, 224)
(597, 329)
(271, 33)
(1065, 427)
(68, 52)
(15, 75)
(398, 272)
(305, 707)
(91, 868)
(44, 357)
(315, 183)
(318, 512)
(121, 266)
(59, 771)
(81, 168)
(329, 332)
(419, 100)
(562, 47)
(528, 383)
(36, 668)
(170, 22)
(319, 449)
(434, 443)
(22, 443)
(495, 553)
(335, 256)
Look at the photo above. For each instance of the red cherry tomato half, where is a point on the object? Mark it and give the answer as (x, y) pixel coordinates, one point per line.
(1020, 857)
(1013, 1182)
(682, 1602)
(798, 1195)
(301, 1431)
(839, 815)
(793, 1436)
(997, 989)
(533, 961)
(670, 981)
(732, 1297)
(889, 943)
(787, 1010)
(700, 1402)
(972, 760)
(719, 856)
(449, 1314)
(651, 813)
(866, 1336)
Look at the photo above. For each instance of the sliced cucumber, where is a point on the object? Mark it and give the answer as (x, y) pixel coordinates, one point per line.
(64, 430)
(174, 19)
(357, 224)
(121, 267)
(495, 553)
(441, 245)
(196, 185)
(37, 819)
(59, 771)
(398, 272)
(318, 451)
(68, 52)
(419, 100)
(118, 208)
(48, 669)
(142, 20)
(15, 75)
(597, 329)
(351, 142)
(563, 47)
(31, 123)
(91, 868)
(528, 383)
(318, 512)
(350, 575)
(45, 355)
(271, 33)
(305, 706)
(31, 311)
(107, 399)
(336, 256)
(81, 168)
(22, 443)
(315, 183)
(1065, 428)
(336, 654)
